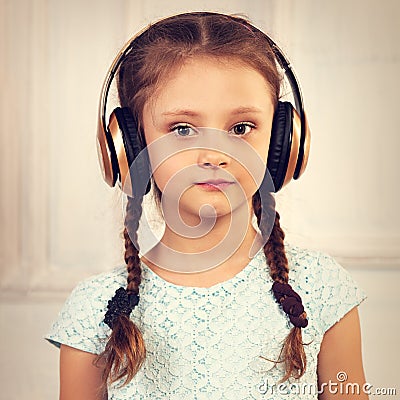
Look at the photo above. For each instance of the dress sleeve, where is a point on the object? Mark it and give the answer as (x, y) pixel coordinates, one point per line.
(80, 322)
(335, 292)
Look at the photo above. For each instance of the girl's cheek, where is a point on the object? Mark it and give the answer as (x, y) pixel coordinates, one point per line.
(162, 174)
(169, 168)
(249, 186)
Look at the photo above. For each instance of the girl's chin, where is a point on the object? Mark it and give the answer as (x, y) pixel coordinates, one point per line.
(212, 210)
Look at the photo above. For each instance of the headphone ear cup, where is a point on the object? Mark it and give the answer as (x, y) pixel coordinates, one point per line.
(136, 154)
(280, 143)
(129, 132)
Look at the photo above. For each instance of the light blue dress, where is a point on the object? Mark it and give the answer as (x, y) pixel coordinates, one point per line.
(217, 342)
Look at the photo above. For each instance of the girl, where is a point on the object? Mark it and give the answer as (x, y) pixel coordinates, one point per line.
(211, 311)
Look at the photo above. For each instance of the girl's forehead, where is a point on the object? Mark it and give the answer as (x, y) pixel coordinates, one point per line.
(205, 68)
(210, 82)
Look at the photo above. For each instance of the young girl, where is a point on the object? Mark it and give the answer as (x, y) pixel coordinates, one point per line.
(220, 307)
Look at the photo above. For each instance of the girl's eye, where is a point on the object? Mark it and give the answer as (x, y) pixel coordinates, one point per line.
(242, 129)
(183, 130)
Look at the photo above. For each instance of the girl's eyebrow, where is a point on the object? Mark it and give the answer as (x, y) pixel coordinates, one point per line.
(192, 113)
(177, 112)
(245, 110)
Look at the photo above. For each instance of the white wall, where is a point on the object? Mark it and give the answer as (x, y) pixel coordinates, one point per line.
(59, 222)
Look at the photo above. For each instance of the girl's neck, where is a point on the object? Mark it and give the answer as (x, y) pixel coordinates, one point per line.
(204, 235)
(202, 238)
(232, 238)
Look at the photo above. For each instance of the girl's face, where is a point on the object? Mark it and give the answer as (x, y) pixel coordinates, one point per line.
(220, 94)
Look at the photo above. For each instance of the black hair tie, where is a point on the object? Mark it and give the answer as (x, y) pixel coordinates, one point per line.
(291, 303)
(121, 304)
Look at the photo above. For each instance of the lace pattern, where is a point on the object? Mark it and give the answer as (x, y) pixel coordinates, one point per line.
(217, 342)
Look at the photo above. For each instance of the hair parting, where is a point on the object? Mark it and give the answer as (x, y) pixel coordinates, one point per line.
(168, 44)
(292, 353)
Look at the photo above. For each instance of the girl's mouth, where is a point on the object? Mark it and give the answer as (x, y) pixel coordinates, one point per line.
(214, 184)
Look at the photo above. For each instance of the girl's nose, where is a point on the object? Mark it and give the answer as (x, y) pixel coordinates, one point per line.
(212, 159)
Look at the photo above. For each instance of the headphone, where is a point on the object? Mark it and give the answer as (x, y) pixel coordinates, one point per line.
(119, 143)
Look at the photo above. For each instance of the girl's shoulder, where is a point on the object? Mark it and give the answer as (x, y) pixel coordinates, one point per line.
(306, 263)
(103, 283)
(79, 323)
(97, 289)
(327, 289)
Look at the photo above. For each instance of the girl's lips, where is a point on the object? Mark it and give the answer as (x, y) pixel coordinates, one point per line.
(213, 185)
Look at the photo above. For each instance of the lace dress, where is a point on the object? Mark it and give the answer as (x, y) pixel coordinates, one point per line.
(217, 342)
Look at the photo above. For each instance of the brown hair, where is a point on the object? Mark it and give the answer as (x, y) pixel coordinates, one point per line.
(155, 54)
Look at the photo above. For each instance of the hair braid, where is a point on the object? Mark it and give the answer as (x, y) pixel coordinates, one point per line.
(125, 350)
(274, 249)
